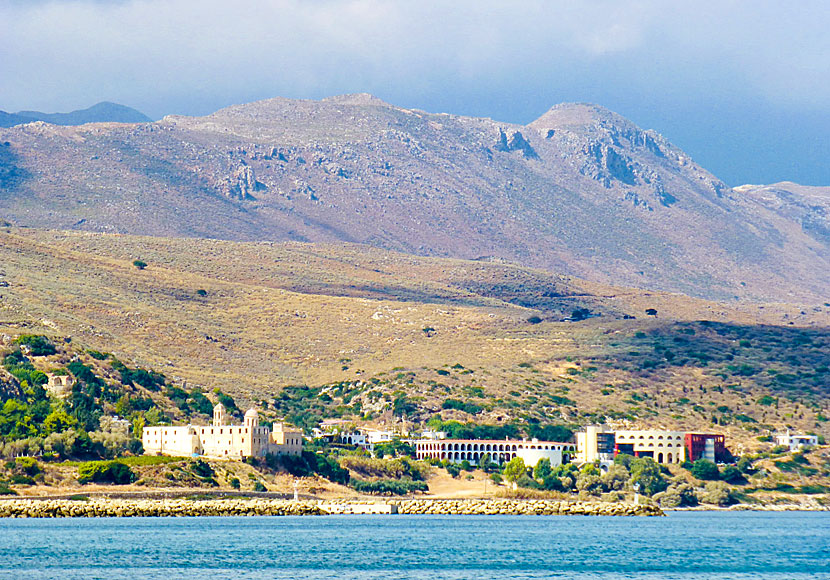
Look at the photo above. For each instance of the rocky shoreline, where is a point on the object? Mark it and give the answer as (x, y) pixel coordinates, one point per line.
(67, 508)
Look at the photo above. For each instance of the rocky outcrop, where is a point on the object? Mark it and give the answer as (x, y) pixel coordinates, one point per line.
(516, 143)
(242, 183)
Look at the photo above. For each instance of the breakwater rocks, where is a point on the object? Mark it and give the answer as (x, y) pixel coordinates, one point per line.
(117, 508)
(109, 508)
(541, 507)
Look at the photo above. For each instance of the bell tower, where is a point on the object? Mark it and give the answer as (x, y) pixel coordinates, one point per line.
(219, 414)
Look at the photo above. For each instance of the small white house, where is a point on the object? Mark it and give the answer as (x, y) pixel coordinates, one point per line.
(794, 441)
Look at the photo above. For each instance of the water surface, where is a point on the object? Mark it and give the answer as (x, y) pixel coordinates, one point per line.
(684, 545)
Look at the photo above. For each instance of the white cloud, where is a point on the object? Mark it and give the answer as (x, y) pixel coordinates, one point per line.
(63, 54)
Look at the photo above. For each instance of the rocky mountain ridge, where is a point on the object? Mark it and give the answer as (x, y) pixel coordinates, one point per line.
(580, 191)
(103, 112)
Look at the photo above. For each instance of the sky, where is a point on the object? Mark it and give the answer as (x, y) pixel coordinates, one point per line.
(742, 86)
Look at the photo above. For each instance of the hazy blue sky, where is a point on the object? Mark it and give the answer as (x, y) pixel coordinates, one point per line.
(743, 86)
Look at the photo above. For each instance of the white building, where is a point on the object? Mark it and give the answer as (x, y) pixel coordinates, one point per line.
(795, 441)
(353, 438)
(222, 439)
(499, 450)
(375, 436)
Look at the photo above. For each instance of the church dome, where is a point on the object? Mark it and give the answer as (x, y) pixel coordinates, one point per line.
(251, 413)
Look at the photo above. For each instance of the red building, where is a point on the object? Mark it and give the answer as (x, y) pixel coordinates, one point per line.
(707, 446)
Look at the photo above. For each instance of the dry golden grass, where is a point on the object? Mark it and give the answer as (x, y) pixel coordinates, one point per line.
(281, 314)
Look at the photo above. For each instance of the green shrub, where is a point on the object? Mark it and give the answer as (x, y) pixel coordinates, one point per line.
(139, 264)
(717, 493)
(202, 469)
(705, 469)
(113, 472)
(234, 483)
(5, 489)
(27, 465)
(646, 472)
(733, 475)
(389, 486)
(397, 468)
(258, 486)
(465, 406)
(39, 345)
(309, 464)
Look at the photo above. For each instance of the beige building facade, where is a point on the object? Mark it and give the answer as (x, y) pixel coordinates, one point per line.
(662, 446)
(223, 440)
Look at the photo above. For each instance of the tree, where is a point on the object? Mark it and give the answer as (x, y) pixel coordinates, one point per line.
(717, 493)
(514, 469)
(745, 464)
(679, 494)
(580, 314)
(651, 311)
(589, 482)
(616, 478)
(705, 469)
(647, 473)
(139, 264)
(58, 421)
(732, 474)
(542, 469)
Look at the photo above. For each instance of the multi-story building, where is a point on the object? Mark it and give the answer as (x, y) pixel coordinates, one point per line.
(795, 441)
(499, 450)
(221, 439)
(711, 446)
(603, 444)
(661, 446)
(596, 443)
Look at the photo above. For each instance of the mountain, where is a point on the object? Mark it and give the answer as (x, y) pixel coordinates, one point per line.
(104, 112)
(579, 191)
(806, 205)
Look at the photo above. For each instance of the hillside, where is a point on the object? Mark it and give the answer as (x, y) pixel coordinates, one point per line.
(306, 331)
(580, 191)
(100, 113)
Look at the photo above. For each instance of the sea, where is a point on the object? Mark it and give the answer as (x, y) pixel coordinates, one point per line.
(683, 545)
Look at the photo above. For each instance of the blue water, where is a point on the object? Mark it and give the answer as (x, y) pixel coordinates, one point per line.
(690, 545)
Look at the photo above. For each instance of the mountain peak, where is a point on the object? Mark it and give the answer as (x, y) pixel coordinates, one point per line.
(573, 115)
(357, 99)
